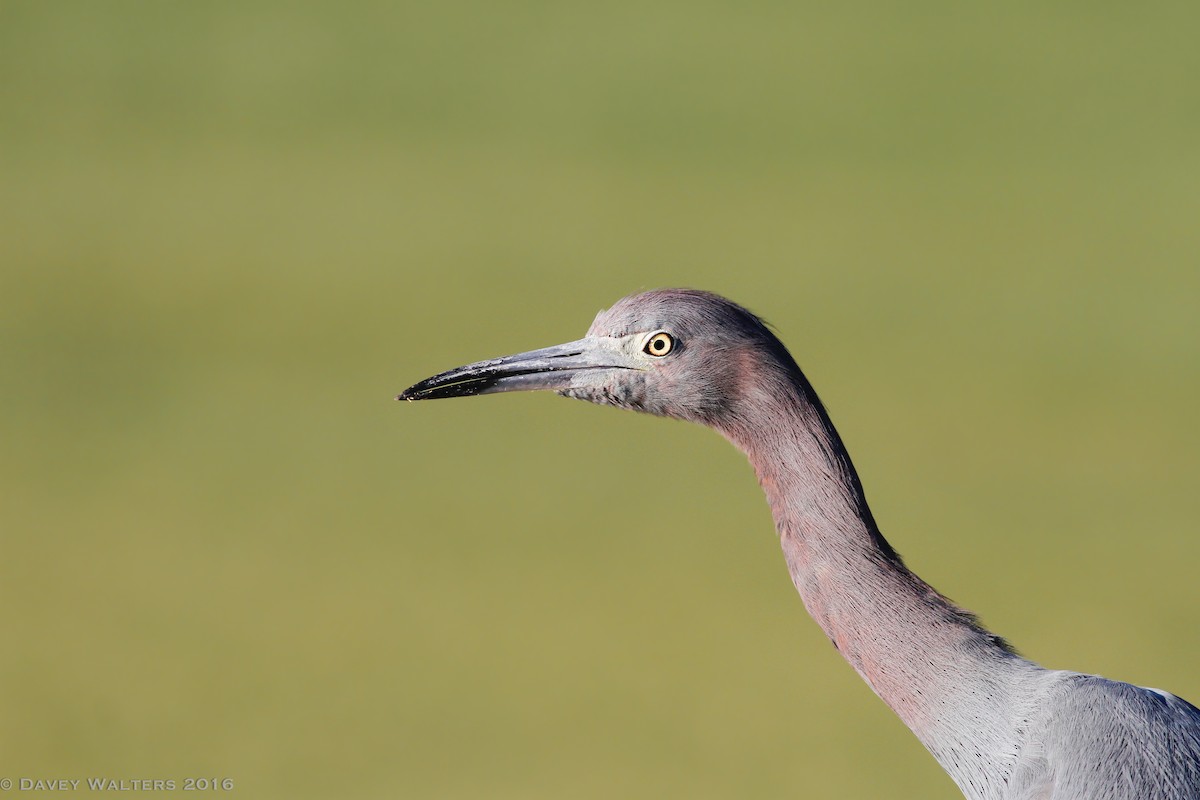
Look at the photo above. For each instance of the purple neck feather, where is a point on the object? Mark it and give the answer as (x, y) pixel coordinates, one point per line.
(927, 659)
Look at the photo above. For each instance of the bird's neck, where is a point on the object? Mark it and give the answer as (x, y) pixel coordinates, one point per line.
(952, 683)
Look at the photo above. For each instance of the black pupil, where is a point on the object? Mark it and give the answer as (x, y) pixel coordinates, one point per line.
(659, 344)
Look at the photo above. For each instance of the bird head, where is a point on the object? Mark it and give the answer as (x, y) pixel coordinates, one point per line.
(678, 353)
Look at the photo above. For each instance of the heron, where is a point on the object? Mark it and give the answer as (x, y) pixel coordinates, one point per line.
(1002, 726)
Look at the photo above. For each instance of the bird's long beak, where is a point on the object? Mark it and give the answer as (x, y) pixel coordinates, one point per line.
(553, 368)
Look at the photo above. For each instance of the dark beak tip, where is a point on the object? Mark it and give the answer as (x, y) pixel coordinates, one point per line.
(548, 368)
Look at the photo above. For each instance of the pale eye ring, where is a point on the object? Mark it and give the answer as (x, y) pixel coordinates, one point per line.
(659, 345)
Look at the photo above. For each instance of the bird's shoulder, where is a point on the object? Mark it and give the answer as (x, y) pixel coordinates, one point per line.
(1103, 739)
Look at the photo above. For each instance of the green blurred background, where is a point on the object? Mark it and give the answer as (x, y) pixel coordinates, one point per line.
(231, 232)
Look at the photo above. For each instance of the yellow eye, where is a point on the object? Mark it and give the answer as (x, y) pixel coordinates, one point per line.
(659, 344)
